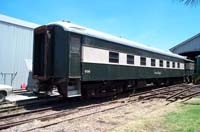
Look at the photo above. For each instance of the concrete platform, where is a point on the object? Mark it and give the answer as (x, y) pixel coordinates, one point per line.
(17, 97)
(25, 95)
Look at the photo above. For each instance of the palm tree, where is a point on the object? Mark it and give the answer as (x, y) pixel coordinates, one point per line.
(190, 2)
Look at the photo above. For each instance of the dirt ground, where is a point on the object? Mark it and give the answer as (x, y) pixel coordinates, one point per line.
(129, 118)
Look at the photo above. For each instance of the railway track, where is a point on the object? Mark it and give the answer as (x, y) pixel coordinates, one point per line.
(171, 94)
(77, 117)
(10, 107)
(60, 114)
(6, 102)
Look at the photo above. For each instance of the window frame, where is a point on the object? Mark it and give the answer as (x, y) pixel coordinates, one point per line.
(113, 58)
(168, 64)
(161, 63)
(142, 62)
(153, 62)
(129, 57)
(173, 64)
(178, 64)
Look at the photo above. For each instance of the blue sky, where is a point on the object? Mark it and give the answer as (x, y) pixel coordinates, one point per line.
(157, 23)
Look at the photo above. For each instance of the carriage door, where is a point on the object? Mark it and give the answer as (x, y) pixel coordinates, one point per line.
(74, 86)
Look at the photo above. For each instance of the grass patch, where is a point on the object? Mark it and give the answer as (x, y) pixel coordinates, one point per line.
(176, 117)
(185, 120)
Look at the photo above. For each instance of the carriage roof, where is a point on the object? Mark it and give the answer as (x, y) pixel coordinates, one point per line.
(97, 34)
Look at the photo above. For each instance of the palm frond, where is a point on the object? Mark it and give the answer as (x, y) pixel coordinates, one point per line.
(190, 2)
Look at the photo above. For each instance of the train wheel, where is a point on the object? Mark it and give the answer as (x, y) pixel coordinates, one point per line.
(2, 97)
(62, 89)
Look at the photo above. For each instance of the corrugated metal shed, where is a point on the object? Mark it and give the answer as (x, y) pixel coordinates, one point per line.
(16, 45)
(190, 45)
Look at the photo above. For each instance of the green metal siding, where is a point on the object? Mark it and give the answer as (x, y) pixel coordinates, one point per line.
(119, 72)
(198, 64)
(61, 48)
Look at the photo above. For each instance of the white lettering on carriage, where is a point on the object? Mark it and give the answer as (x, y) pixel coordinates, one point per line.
(87, 71)
(157, 73)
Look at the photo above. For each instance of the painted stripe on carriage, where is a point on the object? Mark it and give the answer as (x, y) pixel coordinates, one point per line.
(101, 56)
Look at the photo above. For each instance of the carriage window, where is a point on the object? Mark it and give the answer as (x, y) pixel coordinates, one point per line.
(161, 63)
(178, 65)
(173, 64)
(113, 57)
(130, 59)
(153, 62)
(142, 61)
(168, 64)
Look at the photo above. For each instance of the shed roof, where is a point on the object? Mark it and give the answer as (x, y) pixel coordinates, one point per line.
(190, 45)
(19, 22)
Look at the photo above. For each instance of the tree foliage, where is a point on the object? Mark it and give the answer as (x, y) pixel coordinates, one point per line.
(190, 2)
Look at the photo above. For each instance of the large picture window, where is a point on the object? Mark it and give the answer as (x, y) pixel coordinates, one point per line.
(153, 62)
(161, 63)
(113, 57)
(173, 64)
(178, 65)
(142, 61)
(168, 64)
(130, 59)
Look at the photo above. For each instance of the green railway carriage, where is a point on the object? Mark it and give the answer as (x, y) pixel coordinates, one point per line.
(81, 61)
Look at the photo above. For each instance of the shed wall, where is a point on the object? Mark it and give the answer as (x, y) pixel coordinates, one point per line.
(15, 46)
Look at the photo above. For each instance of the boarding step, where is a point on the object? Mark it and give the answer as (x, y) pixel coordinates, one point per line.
(73, 91)
(73, 87)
